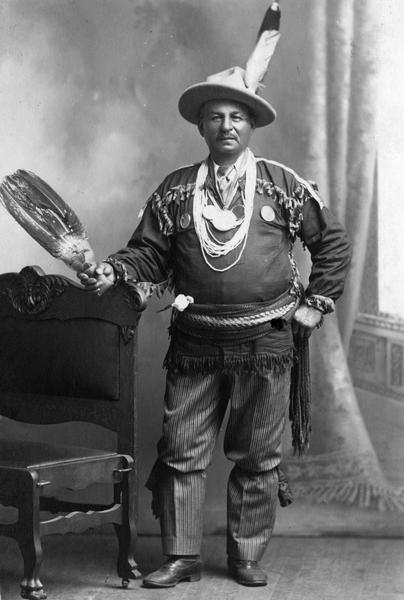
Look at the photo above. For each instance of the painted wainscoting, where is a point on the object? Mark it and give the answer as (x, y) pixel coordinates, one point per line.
(376, 361)
(376, 355)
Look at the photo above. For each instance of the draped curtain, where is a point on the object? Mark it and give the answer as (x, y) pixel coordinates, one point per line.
(340, 121)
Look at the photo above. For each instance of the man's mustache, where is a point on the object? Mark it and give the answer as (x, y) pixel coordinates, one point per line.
(226, 137)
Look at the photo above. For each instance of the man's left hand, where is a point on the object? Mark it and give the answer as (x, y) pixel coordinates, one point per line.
(305, 320)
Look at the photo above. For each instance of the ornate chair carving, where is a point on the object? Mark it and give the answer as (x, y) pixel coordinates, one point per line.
(67, 355)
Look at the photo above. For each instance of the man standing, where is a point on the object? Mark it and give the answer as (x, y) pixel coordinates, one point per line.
(221, 233)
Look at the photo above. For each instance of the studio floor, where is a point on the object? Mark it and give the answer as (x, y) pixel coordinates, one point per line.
(81, 567)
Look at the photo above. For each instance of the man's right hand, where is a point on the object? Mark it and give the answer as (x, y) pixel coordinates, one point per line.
(98, 278)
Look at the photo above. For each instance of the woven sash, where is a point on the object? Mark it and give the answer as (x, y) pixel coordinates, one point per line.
(234, 323)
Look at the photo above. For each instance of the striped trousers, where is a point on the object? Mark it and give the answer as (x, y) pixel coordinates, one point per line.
(195, 406)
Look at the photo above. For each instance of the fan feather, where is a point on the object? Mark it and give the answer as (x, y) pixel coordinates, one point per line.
(46, 217)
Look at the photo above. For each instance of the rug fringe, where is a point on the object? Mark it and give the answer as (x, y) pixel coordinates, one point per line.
(362, 494)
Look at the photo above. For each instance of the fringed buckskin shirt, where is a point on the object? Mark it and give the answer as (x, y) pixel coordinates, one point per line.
(165, 251)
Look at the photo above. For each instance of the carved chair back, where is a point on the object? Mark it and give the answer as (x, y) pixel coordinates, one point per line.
(68, 355)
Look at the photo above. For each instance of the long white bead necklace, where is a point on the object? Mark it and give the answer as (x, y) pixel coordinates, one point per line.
(211, 247)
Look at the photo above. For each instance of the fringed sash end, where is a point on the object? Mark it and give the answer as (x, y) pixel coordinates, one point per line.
(300, 398)
(285, 494)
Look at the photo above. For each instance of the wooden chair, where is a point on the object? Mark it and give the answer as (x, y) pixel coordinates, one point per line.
(67, 355)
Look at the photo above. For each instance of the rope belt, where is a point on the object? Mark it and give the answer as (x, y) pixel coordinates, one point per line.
(234, 323)
(229, 322)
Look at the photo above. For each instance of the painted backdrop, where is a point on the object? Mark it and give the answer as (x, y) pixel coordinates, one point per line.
(88, 101)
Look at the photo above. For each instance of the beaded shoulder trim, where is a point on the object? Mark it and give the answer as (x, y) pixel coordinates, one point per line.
(292, 205)
(161, 204)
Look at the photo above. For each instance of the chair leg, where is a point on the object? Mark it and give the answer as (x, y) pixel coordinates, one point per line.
(29, 539)
(126, 531)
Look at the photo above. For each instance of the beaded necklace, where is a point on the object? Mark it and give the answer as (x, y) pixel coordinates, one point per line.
(211, 247)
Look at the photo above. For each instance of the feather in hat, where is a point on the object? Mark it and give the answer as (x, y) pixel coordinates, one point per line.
(47, 218)
(268, 37)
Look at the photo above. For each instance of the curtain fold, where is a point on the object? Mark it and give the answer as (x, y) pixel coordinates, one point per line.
(339, 39)
(341, 147)
(361, 154)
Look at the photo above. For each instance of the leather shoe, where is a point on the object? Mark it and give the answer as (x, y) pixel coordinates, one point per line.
(173, 571)
(246, 572)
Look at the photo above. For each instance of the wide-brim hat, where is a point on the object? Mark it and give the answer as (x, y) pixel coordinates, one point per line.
(226, 85)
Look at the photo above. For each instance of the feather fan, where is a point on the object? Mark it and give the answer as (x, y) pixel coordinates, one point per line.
(268, 37)
(47, 218)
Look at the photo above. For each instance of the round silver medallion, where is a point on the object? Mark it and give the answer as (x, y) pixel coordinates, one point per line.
(221, 219)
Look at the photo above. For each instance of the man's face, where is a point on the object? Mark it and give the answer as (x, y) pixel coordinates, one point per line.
(226, 127)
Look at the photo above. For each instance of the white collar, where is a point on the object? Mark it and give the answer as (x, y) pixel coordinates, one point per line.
(239, 165)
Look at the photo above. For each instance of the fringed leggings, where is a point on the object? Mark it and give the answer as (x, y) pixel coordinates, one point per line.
(195, 406)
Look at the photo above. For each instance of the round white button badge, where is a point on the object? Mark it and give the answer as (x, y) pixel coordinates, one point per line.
(267, 213)
(185, 220)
